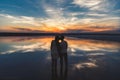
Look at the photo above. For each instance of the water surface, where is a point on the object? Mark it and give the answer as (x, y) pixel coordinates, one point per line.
(29, 58)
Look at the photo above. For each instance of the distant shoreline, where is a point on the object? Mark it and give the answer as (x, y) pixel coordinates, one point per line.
(53, 34)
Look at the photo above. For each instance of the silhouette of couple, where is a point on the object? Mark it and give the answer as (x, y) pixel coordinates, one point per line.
(59, 51)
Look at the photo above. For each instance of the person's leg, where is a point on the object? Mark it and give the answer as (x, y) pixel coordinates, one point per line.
(52, 62)
(66, 59)
(55, 64)
(61, 66)
(61, 60)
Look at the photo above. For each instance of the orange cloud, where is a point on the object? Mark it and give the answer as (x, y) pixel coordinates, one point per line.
(60, 29)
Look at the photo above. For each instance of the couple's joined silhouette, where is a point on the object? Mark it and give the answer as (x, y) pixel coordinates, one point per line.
(59, 51)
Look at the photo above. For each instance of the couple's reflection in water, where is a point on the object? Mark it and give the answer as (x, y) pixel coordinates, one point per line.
(59, 52)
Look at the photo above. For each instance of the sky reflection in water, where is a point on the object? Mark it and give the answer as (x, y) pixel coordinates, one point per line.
(88, 59)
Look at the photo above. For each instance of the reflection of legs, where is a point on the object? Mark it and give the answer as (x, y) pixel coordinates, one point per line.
(66, 66)
(61, 67)
(54, 69)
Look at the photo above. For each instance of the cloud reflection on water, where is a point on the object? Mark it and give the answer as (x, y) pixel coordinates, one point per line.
(92, 47)
(86, 64)
(29, 44)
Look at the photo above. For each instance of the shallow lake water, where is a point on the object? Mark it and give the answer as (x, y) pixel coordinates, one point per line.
(29, 58)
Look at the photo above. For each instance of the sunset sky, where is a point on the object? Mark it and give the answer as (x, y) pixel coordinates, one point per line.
(59, 15)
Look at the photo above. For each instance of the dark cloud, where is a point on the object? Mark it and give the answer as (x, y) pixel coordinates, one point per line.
(26, 30)
(108, 29)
